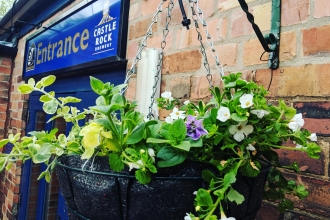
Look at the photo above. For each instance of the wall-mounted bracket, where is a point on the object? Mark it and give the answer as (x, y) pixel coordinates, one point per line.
(270, 42)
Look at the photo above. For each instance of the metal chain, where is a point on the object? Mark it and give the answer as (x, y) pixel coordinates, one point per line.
(160, 58)
(209, 39)
(199, 37)
(143, 44)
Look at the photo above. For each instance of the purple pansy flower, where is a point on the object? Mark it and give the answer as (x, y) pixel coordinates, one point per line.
(195, 127)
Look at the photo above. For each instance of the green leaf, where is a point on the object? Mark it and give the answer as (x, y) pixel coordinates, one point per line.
(143, 177)
(171, 157)
(50, 107)
(233, 195)
(248, 170)
(285, 205)
(230, 85)
(313, 150)
(104, 122)
(203, 198)
(31, 82)
(115, 162)
(157, 141)
(3, 142)
(208, 175)
(45, 98)
(103, 109)
(96, 84)
(290, 112)
(48, 80)
(118, 99)
(70, 99)
(25, 89)
(301, 192)
(45, 174)
(228, 179)
(137, 135)
(238, 118)
(197, 143)
(178, 130)
(184, 145)
(3, 161)
(43, 154)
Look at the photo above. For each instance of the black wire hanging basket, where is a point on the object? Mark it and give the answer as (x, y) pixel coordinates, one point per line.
(96, 192)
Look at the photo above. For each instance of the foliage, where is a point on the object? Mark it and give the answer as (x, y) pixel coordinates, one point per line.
(235, 131)
(5, 5)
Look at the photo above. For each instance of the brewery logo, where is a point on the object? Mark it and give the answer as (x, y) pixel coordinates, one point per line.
(104, 30)
(31, 57)
(106, 13)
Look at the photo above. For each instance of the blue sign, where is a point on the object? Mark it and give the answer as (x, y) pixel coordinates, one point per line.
(90, 34)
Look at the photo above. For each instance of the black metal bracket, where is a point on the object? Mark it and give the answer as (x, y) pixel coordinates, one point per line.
(270, 42)
(185, 22)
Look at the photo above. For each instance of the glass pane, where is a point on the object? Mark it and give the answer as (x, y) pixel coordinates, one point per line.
(89, 117)
(40, 121)
(60, 124)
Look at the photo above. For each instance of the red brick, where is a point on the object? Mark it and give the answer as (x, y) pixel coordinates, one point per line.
(313, 166)
(182, 62)
(227, 54)
(132, 50)
(140, 28)
(252, 52)
(294, 12)
(268, 212)
(134, 11)
(200, 86)
(179, 86)
(5, 69)
(130, 92)
(6, 62)
(240, 24)
(289, 81)
(315, 125)
(316, 40)
(322, 8)
(176, 15)
(318, 200)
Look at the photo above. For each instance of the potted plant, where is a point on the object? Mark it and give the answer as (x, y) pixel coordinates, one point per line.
(230, 142)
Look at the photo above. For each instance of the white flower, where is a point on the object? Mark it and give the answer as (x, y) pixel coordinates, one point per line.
(250, 147)
(260, 113)
(313, 137)
(246, 100)
(187, 217)
(169, 119)
(136, 165)
(195, 192)
(176, 114)
(224, 217)
(300, 146)
(296, 122)
(167, 96)
(151, 153)
(240, 130)
(223, 114)
(186, 102)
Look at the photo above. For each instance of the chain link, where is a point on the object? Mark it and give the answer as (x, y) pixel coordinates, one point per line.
(143, 44)
(209, 39)
(160, 58)
(199, 37)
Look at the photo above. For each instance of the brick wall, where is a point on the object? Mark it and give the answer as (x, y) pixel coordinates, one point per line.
(302, 79)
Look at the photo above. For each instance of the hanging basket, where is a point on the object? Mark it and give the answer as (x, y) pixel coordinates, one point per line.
(101, 193)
